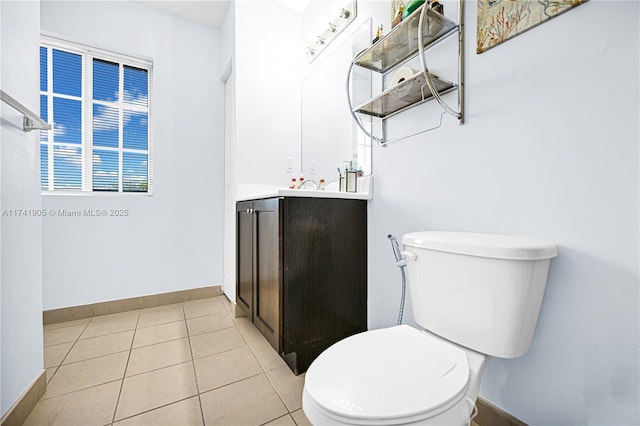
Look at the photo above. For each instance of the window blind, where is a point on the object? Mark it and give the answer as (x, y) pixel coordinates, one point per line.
(99, 107)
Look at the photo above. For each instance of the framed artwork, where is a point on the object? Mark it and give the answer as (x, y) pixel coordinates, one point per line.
(501, 20)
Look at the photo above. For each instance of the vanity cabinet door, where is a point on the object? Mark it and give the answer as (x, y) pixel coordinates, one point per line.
(244, 256)
(268, 270)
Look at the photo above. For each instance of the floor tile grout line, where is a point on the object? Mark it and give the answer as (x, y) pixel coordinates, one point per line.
(153, 409)
(293, 418)
(154, 325)
(93, 357)
(265, 372)
(157, 343)
(57, 366)
(193, 365)
(206, 315)
(70, 341)
(223, 352)
(124, 373)
(155, 369)
(84, 340)
(278, 418)
(67, 354)
(81, 389)
(157, 325)
(47, 327)
(264, 368)
(97, 319)
(231, 383)
(213, 331)
(100, 319)
(273, 385)
(106, 334)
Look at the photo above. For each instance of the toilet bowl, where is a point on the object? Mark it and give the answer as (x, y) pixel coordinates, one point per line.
(431, 376)
(392, 376)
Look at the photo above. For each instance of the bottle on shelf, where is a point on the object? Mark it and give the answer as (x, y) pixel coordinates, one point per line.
(437, 6)
(293, 183)
(398, 17)
(378, 35)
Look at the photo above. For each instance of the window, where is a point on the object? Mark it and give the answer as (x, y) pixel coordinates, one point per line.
(99, 105)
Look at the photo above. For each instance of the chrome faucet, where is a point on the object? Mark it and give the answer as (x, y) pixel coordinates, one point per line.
(304, 183)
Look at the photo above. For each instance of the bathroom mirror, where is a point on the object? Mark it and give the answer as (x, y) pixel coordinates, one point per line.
(329, 135)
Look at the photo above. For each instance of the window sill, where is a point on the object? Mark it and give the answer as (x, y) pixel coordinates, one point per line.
(95, 194)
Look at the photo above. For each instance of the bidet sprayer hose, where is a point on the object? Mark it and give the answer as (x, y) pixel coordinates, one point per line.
(400, 263)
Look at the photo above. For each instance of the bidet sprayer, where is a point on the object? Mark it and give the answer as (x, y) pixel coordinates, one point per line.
(400, 260)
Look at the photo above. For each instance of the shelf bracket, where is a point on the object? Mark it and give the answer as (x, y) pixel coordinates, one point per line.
(353, 113)
(425, 68)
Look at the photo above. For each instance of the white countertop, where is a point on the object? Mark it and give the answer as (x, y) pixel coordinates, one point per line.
(254, 192)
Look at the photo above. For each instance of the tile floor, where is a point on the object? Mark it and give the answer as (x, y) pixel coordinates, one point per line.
(184, 364)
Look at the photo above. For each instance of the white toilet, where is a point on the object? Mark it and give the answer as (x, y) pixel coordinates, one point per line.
(476, 295)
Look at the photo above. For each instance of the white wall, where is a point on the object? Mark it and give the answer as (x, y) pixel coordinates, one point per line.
(261, 39)
(267, 59)
(550, 150)
(171, 240)
(20, 244)
(228, 37)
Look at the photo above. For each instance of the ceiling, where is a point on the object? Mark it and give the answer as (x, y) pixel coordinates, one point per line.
(210, 12)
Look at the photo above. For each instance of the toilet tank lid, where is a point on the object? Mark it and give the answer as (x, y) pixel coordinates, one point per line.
(497, 246)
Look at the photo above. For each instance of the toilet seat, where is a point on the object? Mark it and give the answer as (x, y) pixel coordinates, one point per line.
(387, 376)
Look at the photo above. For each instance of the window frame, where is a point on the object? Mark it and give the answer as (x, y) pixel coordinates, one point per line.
(88, 54)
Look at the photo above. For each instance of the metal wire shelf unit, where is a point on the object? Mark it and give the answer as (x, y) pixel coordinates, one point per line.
(421, 30)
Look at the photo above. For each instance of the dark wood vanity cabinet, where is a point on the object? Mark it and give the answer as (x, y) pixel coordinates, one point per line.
(302, 272)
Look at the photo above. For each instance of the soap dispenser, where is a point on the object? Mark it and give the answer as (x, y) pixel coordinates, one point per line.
(351, 179)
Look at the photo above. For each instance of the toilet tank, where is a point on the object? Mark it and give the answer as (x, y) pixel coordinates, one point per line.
(481, 291)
